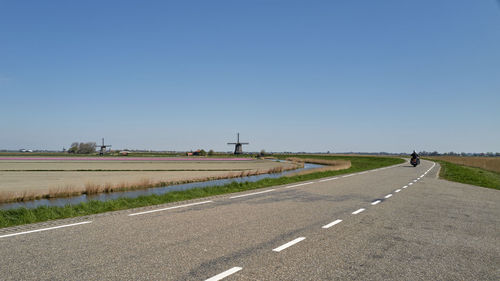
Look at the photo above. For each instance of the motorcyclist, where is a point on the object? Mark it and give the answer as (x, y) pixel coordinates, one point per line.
(415, 160)
(414, 155)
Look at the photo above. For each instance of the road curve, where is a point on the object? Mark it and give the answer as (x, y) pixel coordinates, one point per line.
(396, 223)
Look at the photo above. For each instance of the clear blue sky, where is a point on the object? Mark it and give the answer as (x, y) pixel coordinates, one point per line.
(288, 75)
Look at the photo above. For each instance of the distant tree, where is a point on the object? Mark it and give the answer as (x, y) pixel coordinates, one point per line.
(73, 148)
(86, 148)
(202, 152)
(262, 152)
(434, 153)
(82, 148)
(211, 152)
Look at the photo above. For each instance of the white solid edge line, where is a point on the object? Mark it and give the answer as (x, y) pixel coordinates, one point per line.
(376, 202)
(397, 190)
(44, 229)
(388, 196)
(358, 211)
(170, 208)
(328, 179)
(224, 274)
(249, 194)
(291, 243)
(331, 224)
(300, 184)
(346, 176)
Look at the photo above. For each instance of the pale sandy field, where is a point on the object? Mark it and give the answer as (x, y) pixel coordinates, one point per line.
(14, 176)
(23, 165)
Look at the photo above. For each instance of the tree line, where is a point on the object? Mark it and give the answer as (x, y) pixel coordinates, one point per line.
(82, 148)
(451, 153)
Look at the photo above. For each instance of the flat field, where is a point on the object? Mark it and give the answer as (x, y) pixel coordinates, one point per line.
(486, 163)
(44, 176)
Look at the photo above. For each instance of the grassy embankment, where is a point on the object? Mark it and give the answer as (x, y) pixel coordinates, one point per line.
(25, 216)
(486, 163)
(469, 175)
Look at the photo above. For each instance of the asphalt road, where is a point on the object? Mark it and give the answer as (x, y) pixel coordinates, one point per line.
(366, 226)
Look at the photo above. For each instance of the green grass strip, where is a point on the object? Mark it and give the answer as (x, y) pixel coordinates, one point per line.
(20, 216)
(469, 175)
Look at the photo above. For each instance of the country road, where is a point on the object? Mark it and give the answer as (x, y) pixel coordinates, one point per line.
(395, 223)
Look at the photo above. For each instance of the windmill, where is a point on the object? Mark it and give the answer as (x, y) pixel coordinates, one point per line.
(103, 147)
(238, 146)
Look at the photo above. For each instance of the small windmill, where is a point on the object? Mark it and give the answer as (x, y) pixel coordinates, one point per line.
(103, 147)
(238, 146)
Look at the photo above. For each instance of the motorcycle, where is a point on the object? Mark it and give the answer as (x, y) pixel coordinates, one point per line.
(415, 161)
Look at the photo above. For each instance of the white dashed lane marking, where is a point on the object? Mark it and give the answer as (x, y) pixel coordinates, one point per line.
(224, 274)
(291, 243)
(376, 202)
(332, 224)
(388, 196)
(358, 211)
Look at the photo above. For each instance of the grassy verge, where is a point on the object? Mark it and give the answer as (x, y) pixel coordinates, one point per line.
(469, 175)
(491, 164)
(24, 216)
